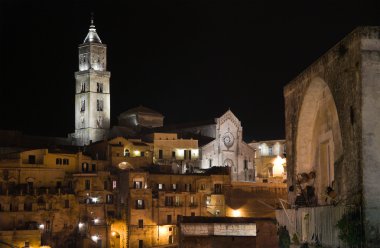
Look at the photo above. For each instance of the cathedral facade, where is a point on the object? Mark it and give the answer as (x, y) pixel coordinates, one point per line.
(229, 150)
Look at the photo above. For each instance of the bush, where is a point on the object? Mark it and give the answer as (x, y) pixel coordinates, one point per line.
(350, 228)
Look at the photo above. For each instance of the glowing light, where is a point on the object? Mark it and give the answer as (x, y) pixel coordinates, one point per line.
(80, 224)
(163, 230)
(96, 220)
(95, 199)
(236, 213)
(195, 152)
(41, 226)
(113, 234)
(136, 153)
(180, 152)
(278, 168)
(94, 238)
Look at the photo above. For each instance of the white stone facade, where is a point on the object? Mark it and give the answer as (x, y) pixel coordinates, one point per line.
(228, 149)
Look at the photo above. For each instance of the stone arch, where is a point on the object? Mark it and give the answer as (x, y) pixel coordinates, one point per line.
(318, 141)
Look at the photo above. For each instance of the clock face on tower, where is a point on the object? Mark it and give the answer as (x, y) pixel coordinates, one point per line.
(228, 139)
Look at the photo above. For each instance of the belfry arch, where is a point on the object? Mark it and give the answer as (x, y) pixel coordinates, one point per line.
(318, 142)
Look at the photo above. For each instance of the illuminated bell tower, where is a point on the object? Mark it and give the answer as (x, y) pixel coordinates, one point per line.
(92, 91)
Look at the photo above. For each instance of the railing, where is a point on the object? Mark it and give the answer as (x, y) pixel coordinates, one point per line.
(311, 222)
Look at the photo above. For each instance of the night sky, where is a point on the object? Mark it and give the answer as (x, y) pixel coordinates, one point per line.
(189, 60)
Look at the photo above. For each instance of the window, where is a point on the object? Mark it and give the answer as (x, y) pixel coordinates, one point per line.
(203, 186)
(114, 185)
(99, 105)
(32, 159)
(168, 201)
(245, 164)
(105, 185)
(65, 161)
(59, 184)
(87, 185)
(170, 239)
(173, 154)
(177, 200)
(140, 204)
(67, 203)
(83, 87)
(84, 167)
(109, 199)
(141, 223)
(93, 167)
(141, 243)
(142, 154)
(174, 186)
(82, 105)
(217, 188)
(187, 187)
(161, 186)
(160, 154)
(189, 151)
(270, 171)
(58, 161)
(192, 214)
(99, 87)
(29, 188)
(27, 244)
(127, 153)
(270, 151)
(210, 162)
(178, 218)
(169, 219)
(137, 184)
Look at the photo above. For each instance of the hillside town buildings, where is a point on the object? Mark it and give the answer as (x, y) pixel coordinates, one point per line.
(133, 184)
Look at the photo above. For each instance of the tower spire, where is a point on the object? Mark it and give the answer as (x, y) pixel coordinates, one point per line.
(92, 36)
(92, 19)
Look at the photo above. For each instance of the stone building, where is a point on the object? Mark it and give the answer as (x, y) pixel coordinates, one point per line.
(55, 197)
(228, 149)
(92, 91)
(270, 161)
(156, 201)
(332, 136)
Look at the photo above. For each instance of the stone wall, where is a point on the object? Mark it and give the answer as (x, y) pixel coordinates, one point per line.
(351, 71)
(339, 68)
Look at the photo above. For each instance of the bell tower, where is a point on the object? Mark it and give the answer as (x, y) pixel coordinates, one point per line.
(92, 91)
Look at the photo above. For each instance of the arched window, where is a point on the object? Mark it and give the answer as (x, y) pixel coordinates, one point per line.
(126, 153)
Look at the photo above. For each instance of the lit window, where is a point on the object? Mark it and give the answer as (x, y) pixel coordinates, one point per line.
(114, 184)
(160, 186)
(140, 204)
(137, 184)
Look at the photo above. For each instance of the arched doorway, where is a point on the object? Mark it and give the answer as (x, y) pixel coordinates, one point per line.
(318, 142)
